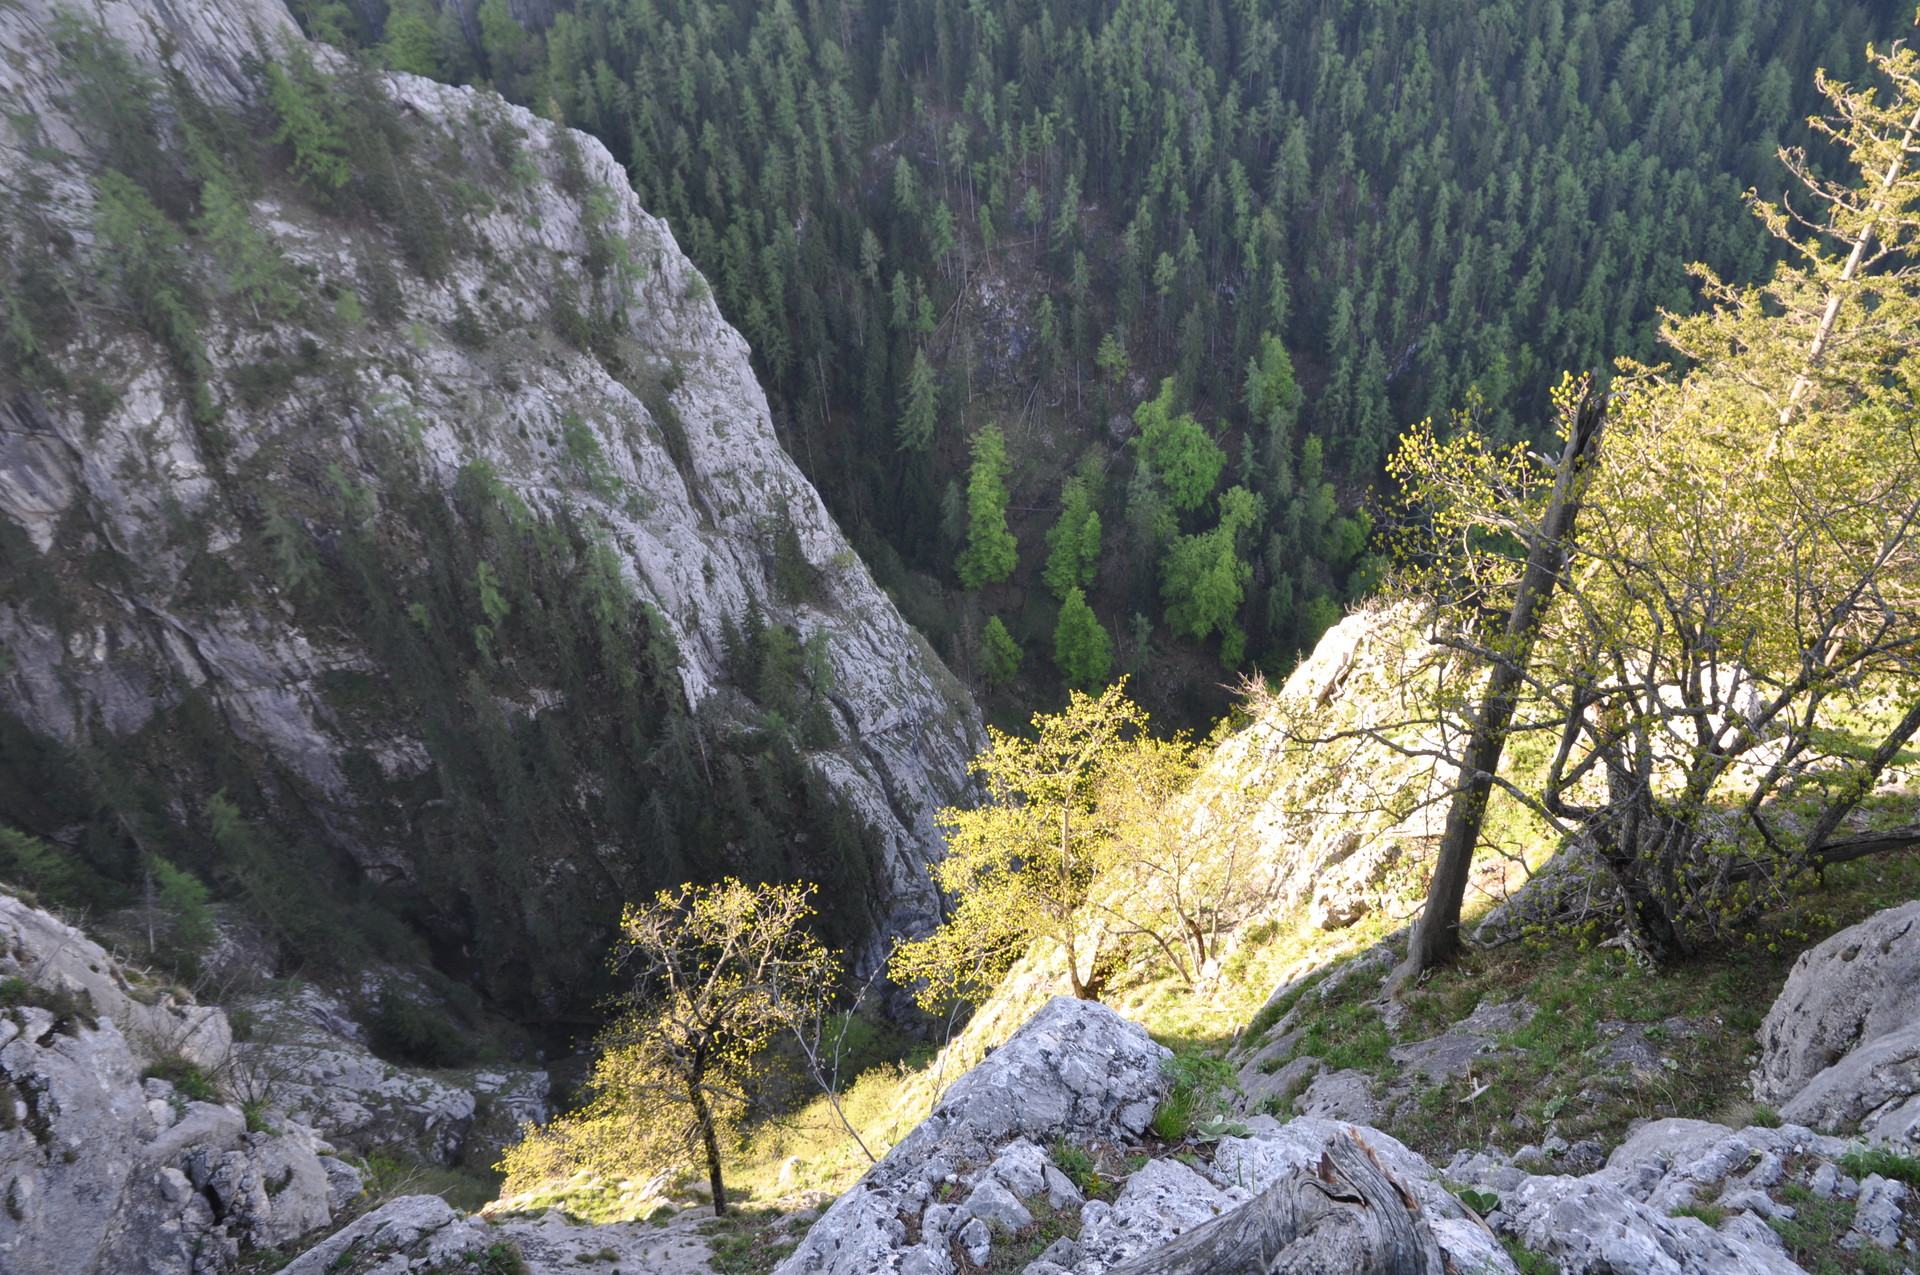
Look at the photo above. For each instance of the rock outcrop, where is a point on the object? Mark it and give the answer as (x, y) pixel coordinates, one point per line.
(559, 351)
(313, 1058)
(1840, 1049)
(982, 1180)
(1075, 1071)
(104, 1172)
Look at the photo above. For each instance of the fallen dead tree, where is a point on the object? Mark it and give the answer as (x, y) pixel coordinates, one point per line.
(1345, 1216)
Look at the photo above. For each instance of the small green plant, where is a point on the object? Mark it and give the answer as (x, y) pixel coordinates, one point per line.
(1766, 1117)
(1864, 1161)
(256, 1114)
(13, 991)
(1481, 1202)
(1711, 1214)
(1219, 1127)
(1074, 1162)
(187, 1080)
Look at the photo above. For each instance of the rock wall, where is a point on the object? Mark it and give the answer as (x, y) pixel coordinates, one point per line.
(142, 583)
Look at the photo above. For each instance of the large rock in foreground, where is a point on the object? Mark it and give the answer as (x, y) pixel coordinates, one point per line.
(1076, 1071)
(977, 1175)
(1840, 1050)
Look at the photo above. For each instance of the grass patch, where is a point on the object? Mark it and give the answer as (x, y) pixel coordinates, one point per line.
(1711, 1214)
(1814, 1233)
(386, 1175)
(1560, 1072)
(1529, 1262)
(1862, 1162)
(1196, 1084)
(187, 1080)
(745, 1242)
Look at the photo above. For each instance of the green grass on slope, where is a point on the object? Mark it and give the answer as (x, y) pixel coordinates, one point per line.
(1554, 1075)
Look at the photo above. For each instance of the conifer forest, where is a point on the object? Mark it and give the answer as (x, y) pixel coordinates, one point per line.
(1301, 226)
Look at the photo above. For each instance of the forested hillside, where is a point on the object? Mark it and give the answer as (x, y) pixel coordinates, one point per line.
(932, 218)
(406, 581)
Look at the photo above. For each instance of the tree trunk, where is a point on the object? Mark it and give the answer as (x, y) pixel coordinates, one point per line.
(1345, 1218)
(710, 1142)
(1436, 937)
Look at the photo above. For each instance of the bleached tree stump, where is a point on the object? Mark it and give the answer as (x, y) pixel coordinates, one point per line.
(1346, 1216)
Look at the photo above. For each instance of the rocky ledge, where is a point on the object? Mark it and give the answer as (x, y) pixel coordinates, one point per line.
(983, 1179)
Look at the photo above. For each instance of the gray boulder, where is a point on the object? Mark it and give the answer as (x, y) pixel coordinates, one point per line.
(1075, 1070)
(1877, 1217)
(156, 1019)
(1341, 1095)
(1588, 1226)
(1847, 992)
(995, 1205)
(423, 1228)
(1875, 1090)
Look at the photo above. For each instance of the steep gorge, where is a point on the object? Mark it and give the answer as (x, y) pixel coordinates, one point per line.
(394, 534)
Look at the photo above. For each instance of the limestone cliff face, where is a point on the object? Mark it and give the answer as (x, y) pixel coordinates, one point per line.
(508, 350)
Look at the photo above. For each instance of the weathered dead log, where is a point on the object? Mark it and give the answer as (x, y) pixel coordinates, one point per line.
(1859, 845)
(1347, 1216)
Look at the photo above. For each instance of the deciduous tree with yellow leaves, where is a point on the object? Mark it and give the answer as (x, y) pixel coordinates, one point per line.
(718, 972)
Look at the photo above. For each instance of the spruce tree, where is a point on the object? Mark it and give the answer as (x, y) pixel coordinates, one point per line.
(1082, 651)
(919, 406)
(999, 653)
(1074, 542)
(991, 551)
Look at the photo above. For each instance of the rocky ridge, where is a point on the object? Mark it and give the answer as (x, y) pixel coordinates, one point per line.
(983, 1174)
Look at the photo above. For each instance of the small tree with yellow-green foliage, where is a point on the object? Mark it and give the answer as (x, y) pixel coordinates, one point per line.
(719, 972)
(1741, 595)
(1179, 866)
(1020, 864)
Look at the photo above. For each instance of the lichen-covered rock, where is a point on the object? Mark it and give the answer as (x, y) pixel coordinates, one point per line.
(1843, 994)
(1590, 1227)
(1874, 1090)
(1161, 1200)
